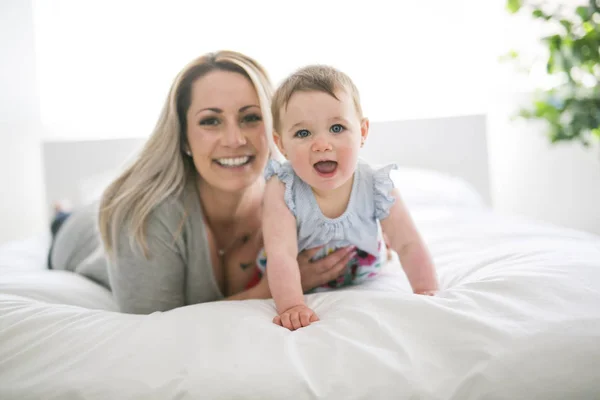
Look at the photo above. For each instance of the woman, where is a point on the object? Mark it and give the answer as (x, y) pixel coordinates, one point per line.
(181, 225)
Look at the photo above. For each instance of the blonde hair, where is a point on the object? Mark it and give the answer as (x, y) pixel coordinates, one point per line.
(162, 170)
(320, 78)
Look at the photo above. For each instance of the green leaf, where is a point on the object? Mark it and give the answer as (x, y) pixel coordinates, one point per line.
(513, 5)
(538, 13)
(583, 13)
(550, 64)
(570, 110)
(553, 42)
(568, 25)
(525, 113)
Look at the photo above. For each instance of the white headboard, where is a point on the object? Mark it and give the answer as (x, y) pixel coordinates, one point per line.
(457, 146)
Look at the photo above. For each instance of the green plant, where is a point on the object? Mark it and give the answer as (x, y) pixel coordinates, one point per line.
(572, 106)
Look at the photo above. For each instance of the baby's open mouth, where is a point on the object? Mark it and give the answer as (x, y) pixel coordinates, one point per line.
(325, 167)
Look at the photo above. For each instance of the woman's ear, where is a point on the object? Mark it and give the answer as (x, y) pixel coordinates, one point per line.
(364, 131)
(185, 148)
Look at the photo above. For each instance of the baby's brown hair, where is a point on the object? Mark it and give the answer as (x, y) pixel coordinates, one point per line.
(320, 78)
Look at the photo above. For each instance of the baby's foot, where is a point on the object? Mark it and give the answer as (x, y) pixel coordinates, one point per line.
(63, 206)
(62, 210)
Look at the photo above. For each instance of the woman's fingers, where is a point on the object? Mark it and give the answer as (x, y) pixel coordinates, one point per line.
(308, 254)
(321, 271)
(333, 260)
(338, 264)
(338, 268)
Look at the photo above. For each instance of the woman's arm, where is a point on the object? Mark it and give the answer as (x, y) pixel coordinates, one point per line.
(143, 286)
(407, 242)
(280, 240)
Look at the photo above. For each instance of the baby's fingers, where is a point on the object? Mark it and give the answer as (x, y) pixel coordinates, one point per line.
(305, 319)
(295, 319)
(308, 317)
(286, 322)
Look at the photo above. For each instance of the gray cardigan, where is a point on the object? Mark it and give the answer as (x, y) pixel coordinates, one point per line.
(179, 271)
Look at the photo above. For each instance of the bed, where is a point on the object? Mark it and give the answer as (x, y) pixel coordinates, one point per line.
(518, 317)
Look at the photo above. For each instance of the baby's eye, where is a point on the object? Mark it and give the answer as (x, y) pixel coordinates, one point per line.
(302, 133)
(337, 128)
(252, 118)
(209, 121)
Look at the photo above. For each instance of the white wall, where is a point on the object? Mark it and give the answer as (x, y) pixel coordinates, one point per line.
(409, 60)
(22, 211)
(530, 177)
(558, 183)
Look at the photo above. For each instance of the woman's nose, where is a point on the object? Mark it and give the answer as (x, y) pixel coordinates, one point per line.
(321, 144)
(234, 137)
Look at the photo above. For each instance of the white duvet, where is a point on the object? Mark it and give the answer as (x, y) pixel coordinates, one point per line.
(518, 317)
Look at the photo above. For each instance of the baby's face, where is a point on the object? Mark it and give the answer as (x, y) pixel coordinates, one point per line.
(321, 137)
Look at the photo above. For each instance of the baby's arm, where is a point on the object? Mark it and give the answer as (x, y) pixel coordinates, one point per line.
(281, 246)
(407, 242)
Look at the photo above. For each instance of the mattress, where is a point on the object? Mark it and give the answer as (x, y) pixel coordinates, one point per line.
(517, 317)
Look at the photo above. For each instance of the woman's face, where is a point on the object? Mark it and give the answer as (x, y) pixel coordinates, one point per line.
(226, 133)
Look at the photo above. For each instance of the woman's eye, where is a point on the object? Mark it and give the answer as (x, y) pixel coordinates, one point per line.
(302, 133)
(209, 121)
(337, 128)
(252, 118)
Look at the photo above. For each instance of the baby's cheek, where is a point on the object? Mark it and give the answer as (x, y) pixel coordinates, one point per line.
(347, 157)
(300, 162)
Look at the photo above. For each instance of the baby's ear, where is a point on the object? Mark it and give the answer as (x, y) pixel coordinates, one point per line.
(364, 130)
(279, 143)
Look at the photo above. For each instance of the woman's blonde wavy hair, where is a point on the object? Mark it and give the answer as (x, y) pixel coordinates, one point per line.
(162, 169)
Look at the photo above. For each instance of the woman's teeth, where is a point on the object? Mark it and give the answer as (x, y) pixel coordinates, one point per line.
(233, 162)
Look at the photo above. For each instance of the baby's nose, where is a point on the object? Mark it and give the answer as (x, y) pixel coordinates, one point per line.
(321, 145)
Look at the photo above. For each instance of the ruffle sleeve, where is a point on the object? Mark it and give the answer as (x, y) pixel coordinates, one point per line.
(285, 173)
(382, 191)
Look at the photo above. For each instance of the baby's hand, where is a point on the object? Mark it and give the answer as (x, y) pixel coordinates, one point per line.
(426, 292)
(296, 317)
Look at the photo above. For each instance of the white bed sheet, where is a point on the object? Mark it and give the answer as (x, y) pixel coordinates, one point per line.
(518, 317)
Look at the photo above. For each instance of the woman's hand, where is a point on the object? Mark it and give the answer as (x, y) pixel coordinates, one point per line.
(328, 268)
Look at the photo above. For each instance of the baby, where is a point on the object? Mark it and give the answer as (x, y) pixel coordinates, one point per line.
(326, 196)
